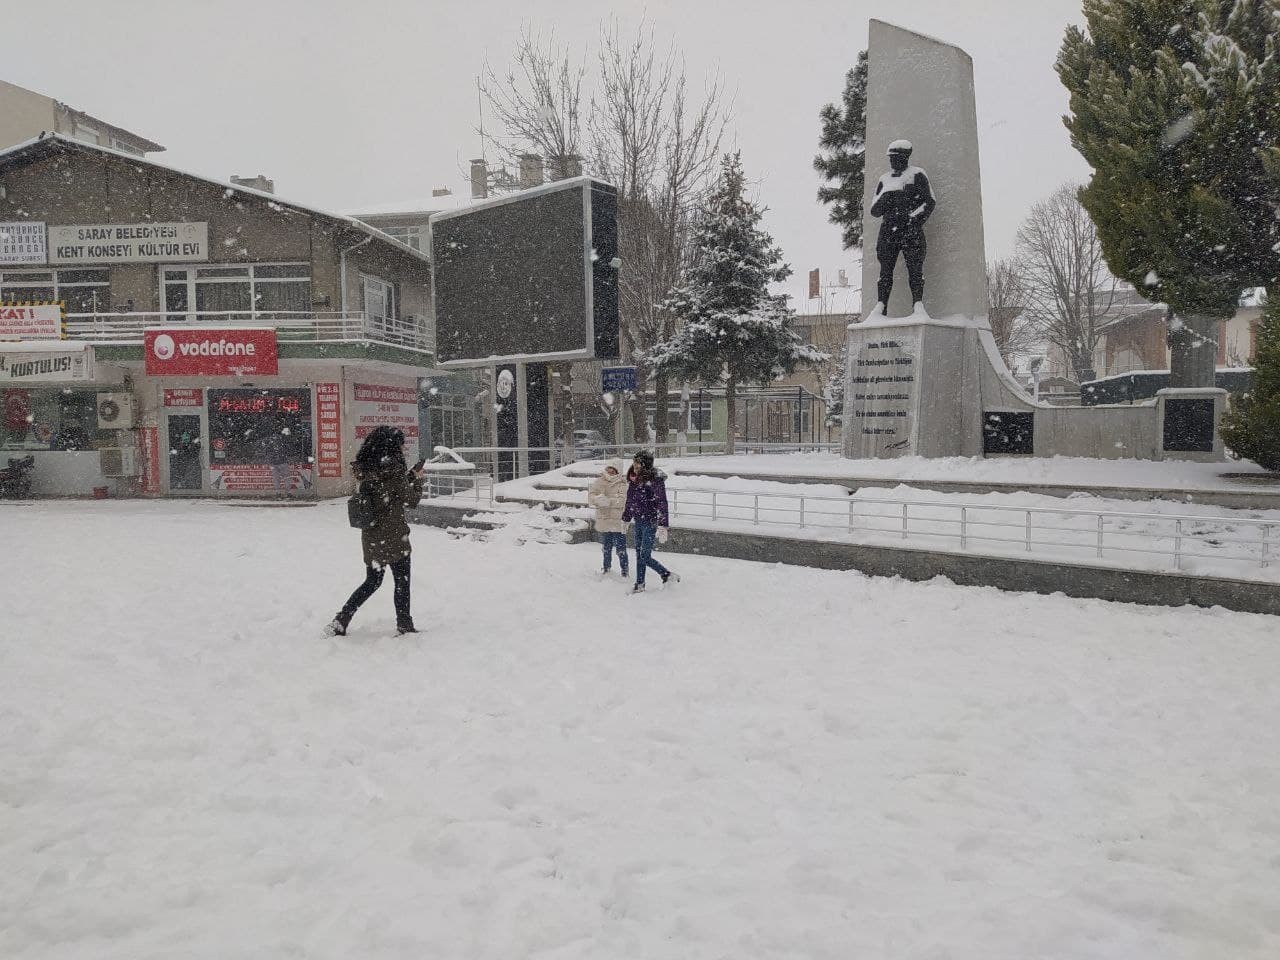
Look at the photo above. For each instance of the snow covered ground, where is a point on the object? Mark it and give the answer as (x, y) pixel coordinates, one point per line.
(764, 761)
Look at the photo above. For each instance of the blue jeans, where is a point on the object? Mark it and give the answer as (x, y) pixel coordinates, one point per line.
(646, 535)
(612, 542)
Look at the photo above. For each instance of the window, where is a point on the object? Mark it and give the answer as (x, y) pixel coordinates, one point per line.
(244, 290)
(84, 291)
(379, 298)
(50, 419)
(259, 427)
(85, 133)
(413, 236)
(699, 415)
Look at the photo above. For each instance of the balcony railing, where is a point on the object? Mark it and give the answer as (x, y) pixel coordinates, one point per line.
(310, 327)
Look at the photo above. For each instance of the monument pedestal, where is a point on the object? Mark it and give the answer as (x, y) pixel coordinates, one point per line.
(916, 386)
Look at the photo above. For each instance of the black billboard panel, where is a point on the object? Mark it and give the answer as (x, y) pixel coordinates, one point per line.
(528, 276)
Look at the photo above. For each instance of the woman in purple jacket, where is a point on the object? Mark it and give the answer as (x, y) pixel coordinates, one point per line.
(647, 508)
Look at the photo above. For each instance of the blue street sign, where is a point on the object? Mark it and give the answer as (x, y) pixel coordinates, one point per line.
(618, 379)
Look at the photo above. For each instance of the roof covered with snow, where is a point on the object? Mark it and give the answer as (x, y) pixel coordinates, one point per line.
(57, 141)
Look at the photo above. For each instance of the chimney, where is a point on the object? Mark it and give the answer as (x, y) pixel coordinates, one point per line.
(479, 180)
(530, 170)
(255, 183)
(564, 167)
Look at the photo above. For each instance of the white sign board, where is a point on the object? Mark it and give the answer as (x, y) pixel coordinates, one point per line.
(22, 242)
(129, 243)
(36, 322)
(374, 405)
(47, 366)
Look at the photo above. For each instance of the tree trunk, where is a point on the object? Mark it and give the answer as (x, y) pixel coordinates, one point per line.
(731, 416)
(661, 390)
(1193, 351)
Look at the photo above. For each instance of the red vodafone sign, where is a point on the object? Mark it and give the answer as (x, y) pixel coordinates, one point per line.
(210, 352)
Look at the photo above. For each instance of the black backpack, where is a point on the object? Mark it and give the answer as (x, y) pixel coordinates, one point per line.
(361, 512)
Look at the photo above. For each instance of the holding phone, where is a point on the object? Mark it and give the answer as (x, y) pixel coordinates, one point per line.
(417, 467)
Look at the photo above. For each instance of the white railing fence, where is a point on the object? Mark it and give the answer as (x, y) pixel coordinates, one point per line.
(315, 326)
(1171, 541)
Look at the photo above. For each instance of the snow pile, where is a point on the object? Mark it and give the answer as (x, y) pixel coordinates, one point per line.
(763, 762)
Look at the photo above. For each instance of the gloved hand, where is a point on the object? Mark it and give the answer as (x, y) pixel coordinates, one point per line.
(662, 534)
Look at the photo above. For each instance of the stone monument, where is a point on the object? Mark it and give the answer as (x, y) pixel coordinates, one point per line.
(925, 377)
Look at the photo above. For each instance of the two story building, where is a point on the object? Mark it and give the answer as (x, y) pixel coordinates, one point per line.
(210, 338)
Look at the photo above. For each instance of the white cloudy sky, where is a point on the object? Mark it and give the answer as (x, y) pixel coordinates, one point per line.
(348, 104)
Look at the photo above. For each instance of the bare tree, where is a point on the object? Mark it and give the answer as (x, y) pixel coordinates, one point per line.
(538, 102)
(1007, 303)
(1071, 296)
(648, 135)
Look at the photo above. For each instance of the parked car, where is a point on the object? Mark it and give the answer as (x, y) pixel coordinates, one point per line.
(587, 445)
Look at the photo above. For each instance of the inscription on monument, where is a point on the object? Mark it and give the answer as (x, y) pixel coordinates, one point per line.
(883, 390)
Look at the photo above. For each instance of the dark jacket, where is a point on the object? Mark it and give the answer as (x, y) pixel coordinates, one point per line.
(392, 488)
(646, 498)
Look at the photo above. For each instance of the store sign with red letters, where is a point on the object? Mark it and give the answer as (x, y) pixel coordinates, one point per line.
(384, 406)
(183, 397)
(210, 352)
(329, 422)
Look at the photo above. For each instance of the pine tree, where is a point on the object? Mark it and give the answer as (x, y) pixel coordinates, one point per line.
(843, 160)
(1252, 427)
(729, 327)
(1176, 106)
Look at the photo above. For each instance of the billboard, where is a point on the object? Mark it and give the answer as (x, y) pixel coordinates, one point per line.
(530, 276)
(210, 352)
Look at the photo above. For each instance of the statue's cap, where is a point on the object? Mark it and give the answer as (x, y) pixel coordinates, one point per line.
(900, 146)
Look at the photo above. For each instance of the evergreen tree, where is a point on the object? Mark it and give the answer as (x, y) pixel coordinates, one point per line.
(1252, 427)
(730, 329)
(1176, 106)
(843, 160)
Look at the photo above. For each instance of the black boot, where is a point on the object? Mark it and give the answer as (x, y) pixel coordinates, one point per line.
(405, 626)
(338, 628)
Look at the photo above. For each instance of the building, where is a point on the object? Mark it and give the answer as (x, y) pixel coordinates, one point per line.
(26, 115)
(217, 339)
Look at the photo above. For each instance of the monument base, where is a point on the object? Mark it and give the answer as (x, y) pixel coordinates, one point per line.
(916, 386)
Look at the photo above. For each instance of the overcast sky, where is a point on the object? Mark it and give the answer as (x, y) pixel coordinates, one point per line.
(348, 104)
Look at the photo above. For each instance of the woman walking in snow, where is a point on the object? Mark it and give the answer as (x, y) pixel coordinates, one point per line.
(391, 486)
(647, 508)
(608, 494)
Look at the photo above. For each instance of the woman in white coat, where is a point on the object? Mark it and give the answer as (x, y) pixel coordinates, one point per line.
(608, 495)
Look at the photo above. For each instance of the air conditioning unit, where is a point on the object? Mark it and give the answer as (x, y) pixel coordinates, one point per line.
(118, 461)
(115, 411)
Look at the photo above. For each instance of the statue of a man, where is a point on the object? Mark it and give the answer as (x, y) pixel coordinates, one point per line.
(905, 200)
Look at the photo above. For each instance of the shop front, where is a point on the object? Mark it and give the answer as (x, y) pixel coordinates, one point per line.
(223, 415)
(50, 394)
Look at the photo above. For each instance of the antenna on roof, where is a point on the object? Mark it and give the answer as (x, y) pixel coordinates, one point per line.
(480, 110)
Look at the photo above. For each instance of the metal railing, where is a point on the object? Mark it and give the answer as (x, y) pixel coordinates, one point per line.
(312, 326)
(1168, 541)
(1178, 542)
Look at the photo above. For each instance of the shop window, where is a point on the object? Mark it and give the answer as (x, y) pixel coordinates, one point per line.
(50, 419)
(259, 427)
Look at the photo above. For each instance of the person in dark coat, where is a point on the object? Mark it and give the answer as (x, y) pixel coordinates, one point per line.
(647, 509)
(384, 477)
